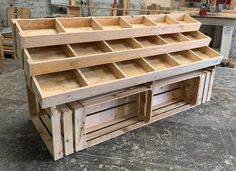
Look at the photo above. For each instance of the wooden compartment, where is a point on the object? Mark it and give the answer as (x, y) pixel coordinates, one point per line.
(177, 95)
(139, 21)
(114, 23)
(174, 38)
(101, 74)
(135, 67)
(92, 48)
(108, 116)
(40, 27)
(185, 57)
(56, 83)
(161, 62)
(43, 54)
(150, 41)
(123, 44)
(162, 20)
(183, 18)
(79, 24)
(205, 53)
(195, 35)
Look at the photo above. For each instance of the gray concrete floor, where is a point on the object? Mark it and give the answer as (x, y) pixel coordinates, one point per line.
(203, 138)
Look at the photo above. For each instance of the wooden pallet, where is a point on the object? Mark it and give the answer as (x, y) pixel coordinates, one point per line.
(81, 124)
(92, 79)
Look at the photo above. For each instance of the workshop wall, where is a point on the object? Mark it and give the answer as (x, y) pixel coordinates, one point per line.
(39, 8)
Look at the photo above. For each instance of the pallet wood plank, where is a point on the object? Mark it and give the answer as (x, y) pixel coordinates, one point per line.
(56, 133)
(79, 125)
(67, 126)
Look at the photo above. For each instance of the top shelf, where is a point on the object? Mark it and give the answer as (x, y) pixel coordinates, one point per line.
(35, 32)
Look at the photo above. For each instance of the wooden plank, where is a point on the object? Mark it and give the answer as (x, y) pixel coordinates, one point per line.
(46, 120)
(56, 133)
(126, 7)
(103, 105)
(168, 106)
(111, 114)
(106, 130)
(161, 89)
(211, 85)
(67, 126)
(47, 139)
(165, 97)
(32, 102)
(79, 126)
(206, 86)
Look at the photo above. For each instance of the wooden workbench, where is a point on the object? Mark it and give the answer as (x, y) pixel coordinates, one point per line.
(226, 18)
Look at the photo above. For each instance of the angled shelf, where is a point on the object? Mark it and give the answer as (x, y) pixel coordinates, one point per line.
(80, 30)
(81, 55)
(114, 76)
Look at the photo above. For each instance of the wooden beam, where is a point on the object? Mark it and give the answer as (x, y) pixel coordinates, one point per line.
(232, 4)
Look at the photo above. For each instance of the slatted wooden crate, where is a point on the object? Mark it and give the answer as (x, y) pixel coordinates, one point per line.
(78, 125)
(92, 79)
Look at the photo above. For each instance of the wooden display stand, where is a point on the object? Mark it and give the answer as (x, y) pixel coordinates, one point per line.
(97, 78)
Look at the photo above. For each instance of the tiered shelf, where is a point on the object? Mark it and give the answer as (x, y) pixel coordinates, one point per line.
(92, 79)
(128, 50)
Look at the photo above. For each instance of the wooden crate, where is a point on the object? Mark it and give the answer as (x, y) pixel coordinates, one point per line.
(75, 126)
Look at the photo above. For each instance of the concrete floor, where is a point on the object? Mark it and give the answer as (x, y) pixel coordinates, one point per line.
(203, 138)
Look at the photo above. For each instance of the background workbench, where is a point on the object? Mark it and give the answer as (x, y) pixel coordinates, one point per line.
(226, 20)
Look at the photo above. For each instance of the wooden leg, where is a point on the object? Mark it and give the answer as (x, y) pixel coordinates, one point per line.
(32, 102)
(79, 126)
(227, 35)
(1, 54)
(67, 126)
(56, 133)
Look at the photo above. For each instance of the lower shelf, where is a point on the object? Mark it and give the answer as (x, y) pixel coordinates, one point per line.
(75, 126)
